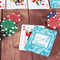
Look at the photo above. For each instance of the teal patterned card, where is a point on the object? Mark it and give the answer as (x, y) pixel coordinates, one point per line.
(41, 41)
(55, 3)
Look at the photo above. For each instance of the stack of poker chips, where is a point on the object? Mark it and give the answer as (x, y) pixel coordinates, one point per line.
(8, 26)
(2, 33)
(53, 20)
(17, 2)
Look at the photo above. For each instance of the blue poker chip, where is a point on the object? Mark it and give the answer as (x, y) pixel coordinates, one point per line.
(51, 14)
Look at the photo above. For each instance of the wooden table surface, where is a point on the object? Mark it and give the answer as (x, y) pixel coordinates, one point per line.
(10, 45)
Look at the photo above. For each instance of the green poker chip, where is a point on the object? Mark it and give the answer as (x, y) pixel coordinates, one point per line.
(9, 27)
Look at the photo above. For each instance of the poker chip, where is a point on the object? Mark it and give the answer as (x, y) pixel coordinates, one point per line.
(13, 16)
(54, 22)
(51, 14)
(2, 34)
(9, 27)
(4, 18)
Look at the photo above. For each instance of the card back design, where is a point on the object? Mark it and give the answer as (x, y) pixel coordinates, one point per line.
(41, 41)
(55, 3)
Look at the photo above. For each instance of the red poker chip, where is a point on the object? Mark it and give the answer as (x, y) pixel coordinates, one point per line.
(15, 17)
(54, 22)
(4, 18)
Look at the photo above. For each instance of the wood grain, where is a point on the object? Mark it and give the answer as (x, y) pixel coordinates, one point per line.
(0, 14)
(10, 50)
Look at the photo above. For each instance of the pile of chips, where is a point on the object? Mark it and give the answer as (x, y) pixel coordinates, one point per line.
(53, 20)
(8, 26)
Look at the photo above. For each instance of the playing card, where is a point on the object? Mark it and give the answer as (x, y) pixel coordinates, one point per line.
(2, 4)
(26, 31)
(16, 4)
(41, 41)
(55, 3)
(38, 4)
